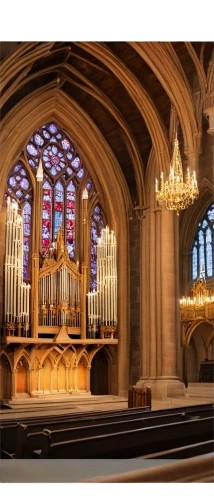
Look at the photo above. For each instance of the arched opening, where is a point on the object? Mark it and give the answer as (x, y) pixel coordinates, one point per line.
(5, 378)
(199, 351)
(62, 376)
(22, 377)
(46, 372)
(99, 374)
(82, 374)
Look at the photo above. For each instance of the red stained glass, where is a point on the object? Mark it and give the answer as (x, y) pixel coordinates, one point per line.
(46, 217)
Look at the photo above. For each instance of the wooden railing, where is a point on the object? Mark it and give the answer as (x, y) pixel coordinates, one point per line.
(138, 397)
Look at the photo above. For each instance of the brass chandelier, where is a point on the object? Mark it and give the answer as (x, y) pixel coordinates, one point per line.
(175, 193)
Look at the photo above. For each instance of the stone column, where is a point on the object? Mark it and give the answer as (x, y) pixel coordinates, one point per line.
(3, 210)
(168, 384)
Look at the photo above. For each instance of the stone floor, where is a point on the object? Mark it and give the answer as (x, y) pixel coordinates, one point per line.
(74, 404)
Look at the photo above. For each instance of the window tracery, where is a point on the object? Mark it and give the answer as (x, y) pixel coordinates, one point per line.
(202, 250)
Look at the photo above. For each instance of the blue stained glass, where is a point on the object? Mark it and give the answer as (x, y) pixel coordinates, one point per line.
(76, 162)
(38, 140)
(62, 164)
(80, 173)
(201, 250)
(209, 252)
(194, 263)
(52, 128)
(31, 162)
(16, 168)
(58, 136)
(69, 156)
(24, 184)
(57, 222)
(210, 213)
(69, 171)
(26, 242)
(53, 171)
(12, 182)
(46, 134)
(89, 185)
(204, 224)
(31, 149)
(19, 193)
(53, 139)
(23, 172)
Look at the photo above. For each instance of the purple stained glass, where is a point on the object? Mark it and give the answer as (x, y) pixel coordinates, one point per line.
(210, 213)
(46, 216)
(53, 171)
(69, 155)
(46, 134)
(52, 128)
(59, 136)
(38, 140)
(66, 144)
(24, 184)
(17, 168)
(96, 228)
(31, 162)
(12, 182)
(31, 149)
(69, 171)
(18, 178)
(76, 162)
(89, 186)
(23, 172)
(26, 240)
(80, 174)
(19, 193)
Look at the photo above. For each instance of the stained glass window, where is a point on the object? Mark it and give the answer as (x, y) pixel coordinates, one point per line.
(26, 237)
(70, 218)
(19, 187)
(96, 228)
(58, 207)
(202, 251)
(46, 217)
(63, 171)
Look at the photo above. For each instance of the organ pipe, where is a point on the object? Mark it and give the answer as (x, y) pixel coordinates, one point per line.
(102, 304)
(17, 293)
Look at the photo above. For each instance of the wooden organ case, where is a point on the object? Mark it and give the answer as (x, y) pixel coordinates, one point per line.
(45, 346)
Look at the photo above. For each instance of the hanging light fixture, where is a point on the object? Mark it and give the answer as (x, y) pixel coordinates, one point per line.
(175, 193)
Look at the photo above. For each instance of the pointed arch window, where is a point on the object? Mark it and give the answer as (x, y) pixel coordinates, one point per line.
(64, 171)
(97, 225)
(203, 246)
(20, 189)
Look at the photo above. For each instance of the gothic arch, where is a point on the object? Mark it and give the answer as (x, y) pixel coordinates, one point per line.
(193, 327)
(26, 356)
(3, 353)
(194, 214)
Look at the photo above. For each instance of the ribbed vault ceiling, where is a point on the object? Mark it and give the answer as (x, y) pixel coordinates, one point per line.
(105, 96)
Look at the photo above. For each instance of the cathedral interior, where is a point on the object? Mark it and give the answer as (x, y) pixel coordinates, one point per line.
(104, 283)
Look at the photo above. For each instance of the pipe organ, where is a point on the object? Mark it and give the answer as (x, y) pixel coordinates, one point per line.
(17, 293)
(102, 304)
(61, 289)
(59, 298)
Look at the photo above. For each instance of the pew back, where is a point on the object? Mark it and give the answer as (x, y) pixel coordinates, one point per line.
(134, 443)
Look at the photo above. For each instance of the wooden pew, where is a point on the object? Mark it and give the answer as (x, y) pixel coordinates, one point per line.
(30, 437)
(27, 441)
(189, 451)
(134, 443)
(9, 431)
(28, 419)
